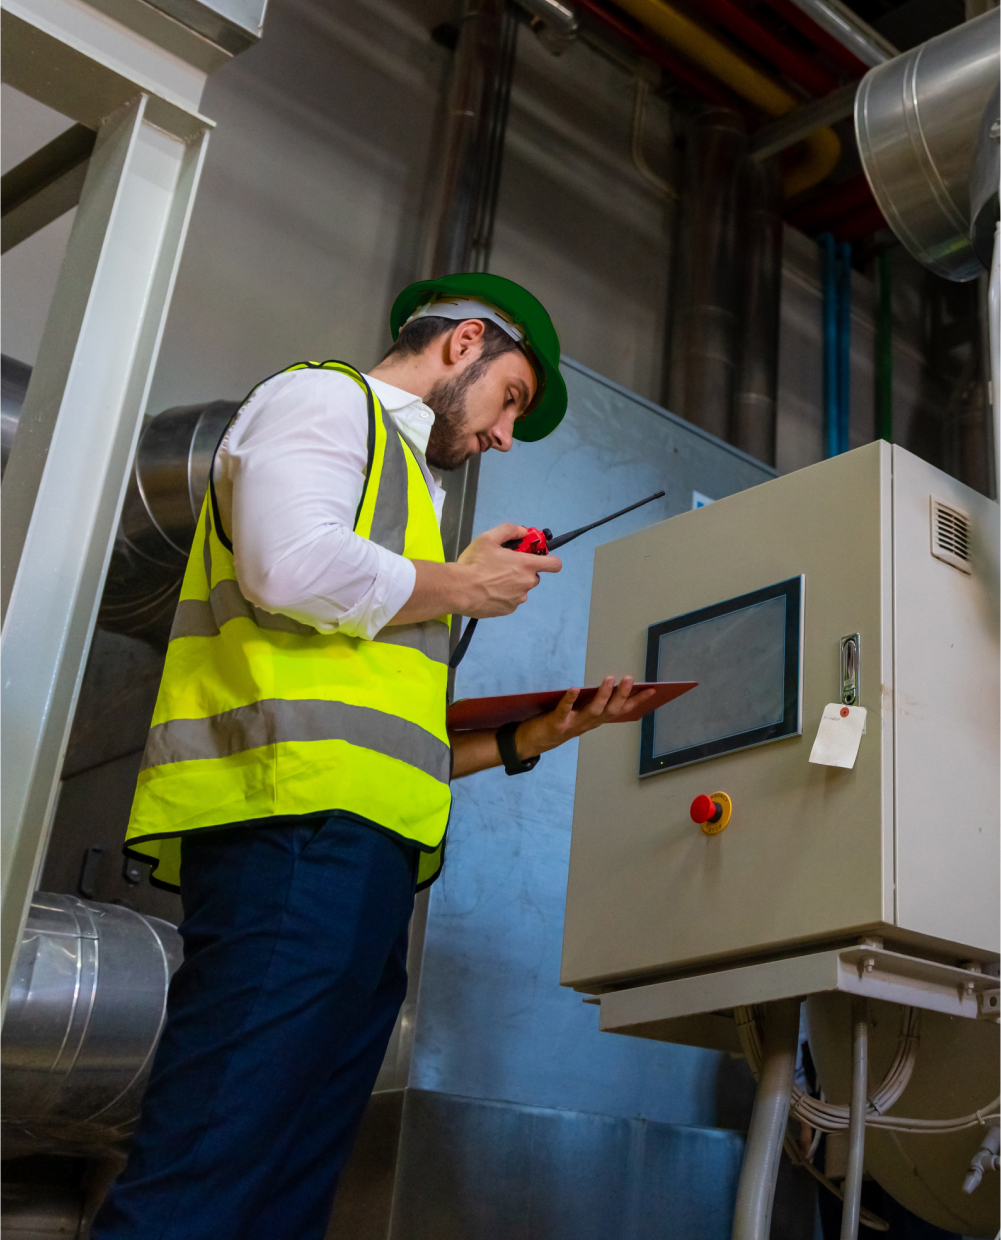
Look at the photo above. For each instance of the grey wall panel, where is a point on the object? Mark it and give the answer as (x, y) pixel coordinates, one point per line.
(487, 1171)
(492, 1020)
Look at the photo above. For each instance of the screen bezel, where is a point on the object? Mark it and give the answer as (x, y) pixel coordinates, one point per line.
(793, 589)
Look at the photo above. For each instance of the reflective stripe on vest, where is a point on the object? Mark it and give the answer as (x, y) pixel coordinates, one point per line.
(259, 715)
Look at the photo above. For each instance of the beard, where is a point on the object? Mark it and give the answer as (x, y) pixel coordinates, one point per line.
(447, 442)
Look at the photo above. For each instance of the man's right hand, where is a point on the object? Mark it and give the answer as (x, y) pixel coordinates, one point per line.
(488, 579)
(500, 578)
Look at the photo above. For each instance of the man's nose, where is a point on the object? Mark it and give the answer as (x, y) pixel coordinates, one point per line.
(500, 435)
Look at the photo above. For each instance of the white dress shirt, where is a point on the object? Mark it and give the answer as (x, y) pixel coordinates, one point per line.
(289, 477)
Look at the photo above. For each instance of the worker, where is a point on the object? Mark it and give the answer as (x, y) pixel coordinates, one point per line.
(295, 783)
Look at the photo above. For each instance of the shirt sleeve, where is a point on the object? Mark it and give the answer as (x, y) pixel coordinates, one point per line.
(289, 479)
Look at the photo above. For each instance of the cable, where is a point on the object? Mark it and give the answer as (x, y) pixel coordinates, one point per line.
(830, 1118)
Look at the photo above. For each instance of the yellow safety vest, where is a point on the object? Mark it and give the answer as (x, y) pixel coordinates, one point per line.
(259, 716)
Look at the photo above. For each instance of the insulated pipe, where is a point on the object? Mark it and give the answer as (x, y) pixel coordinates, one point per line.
(87, 1005)
(756, 1192)
(166, 487)
(474, 143)
(703, 335)
(823, 147)
(760, 252)
(816, 33)
(917, 119)
(856, 1121)
(994, 315)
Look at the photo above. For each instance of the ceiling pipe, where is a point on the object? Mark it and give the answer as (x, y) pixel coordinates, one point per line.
(823, 148)
(805, 24)
(807, 73)
(703, 85)
(845, 26)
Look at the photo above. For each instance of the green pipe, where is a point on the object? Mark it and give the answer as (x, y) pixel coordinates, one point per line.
(884, 347)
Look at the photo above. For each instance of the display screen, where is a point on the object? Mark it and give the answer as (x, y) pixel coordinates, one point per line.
(746, 655)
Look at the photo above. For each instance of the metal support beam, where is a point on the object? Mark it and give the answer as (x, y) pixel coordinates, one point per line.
(64, 482)
(45, 186)
(803, 121)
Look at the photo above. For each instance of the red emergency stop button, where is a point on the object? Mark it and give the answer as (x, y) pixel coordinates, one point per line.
(712, 812)
(705, 809)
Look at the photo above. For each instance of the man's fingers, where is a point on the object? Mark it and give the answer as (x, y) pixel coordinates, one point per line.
(504, 533)
(564, 706)
(600, 699)
(547, 563)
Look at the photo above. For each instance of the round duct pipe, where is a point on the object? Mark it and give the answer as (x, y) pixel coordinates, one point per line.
(916, 120)
(164, 497)
(87, 1005)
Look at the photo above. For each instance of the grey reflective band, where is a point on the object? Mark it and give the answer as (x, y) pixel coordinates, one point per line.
(204, 618)
(421, 461)
(279, 720)
(430, 638)
(389, 520)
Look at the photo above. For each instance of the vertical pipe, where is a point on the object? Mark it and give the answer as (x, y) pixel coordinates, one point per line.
(844, 295)
(829, 310)
(994, 318)
(760, 252)
(703, 339)
(884, 346)
(756, 1192)
(856, 1119)
(477, 115)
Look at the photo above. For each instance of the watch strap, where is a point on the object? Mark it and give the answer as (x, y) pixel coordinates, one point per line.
(513, 765)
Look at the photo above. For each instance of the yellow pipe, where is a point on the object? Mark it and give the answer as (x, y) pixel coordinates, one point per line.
(823, 149)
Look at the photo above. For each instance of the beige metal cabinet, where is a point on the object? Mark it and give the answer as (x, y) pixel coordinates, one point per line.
(905, 844)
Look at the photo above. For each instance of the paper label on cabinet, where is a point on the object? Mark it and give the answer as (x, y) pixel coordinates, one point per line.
(838, 736)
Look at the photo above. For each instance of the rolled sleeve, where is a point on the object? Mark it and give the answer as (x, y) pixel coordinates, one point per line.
(290, 477)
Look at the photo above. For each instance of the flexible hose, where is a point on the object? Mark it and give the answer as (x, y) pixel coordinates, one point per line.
(753, 1214)
(856, 1122)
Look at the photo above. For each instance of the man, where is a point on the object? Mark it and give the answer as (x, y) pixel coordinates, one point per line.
(295, 785)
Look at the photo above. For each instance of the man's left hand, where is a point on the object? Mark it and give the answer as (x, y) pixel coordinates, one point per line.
(477, 751)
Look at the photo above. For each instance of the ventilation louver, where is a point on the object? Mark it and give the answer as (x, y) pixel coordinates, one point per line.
(950, 535)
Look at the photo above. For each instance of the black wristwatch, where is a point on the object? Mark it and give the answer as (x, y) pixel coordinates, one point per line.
(513, 765)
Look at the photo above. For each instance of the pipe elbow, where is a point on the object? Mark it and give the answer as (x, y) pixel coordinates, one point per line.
(823, 150)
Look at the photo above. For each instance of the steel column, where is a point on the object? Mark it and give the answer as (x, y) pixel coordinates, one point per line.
(65, 480)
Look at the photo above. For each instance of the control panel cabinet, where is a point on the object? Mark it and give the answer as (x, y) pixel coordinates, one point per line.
(894, 566)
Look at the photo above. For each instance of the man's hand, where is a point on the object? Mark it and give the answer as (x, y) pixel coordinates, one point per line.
(486, 580)
(499, 578)
(477, 751)
(611, 704)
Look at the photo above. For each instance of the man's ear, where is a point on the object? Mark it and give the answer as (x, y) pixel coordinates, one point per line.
(464, 340)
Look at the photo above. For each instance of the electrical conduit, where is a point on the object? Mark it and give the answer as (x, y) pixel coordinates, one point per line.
(752, 1216)
(823, 149)
(856, 1120)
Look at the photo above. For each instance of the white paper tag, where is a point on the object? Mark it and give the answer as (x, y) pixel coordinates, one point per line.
(838, 736)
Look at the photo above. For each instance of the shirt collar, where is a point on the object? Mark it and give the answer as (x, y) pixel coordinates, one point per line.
(408, 411)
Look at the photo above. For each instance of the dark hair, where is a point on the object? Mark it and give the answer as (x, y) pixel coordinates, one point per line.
(419, 334)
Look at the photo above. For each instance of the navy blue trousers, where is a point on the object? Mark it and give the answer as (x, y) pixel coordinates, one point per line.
(295, 943)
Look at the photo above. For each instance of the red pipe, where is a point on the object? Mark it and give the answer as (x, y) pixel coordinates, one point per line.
(846, 197)
(816, 34)
(812, 76)
(861, 223)
(702, 84)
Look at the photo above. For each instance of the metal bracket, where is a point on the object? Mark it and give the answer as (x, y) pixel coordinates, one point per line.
(851, 670)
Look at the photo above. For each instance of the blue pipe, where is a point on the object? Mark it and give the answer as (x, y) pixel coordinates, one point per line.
(829, 288)
(844, 278)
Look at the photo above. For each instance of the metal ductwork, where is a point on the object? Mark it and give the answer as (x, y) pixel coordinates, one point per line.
(87, 1005)
(166, 487)
(164, 497)
(916, 119)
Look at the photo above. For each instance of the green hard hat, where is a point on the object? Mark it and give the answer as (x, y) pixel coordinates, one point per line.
(528, 313)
